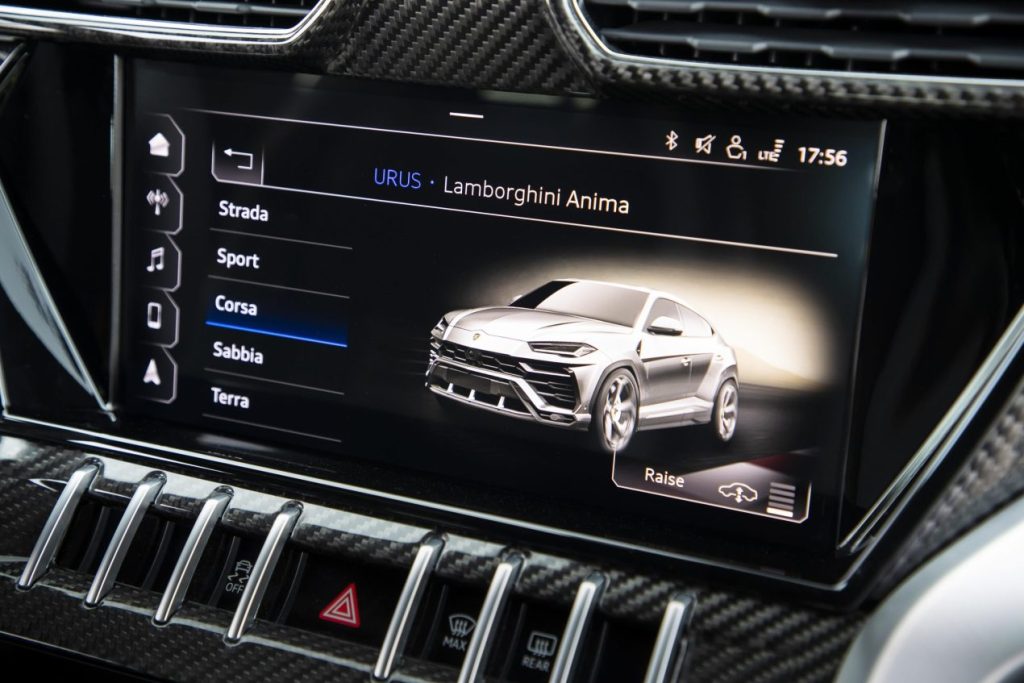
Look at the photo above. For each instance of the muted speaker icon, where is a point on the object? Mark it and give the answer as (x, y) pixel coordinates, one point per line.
(158, 199)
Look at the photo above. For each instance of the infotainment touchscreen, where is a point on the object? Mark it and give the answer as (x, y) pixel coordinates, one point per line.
(612, 306)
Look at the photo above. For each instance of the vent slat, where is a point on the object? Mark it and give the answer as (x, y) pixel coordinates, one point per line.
(848, 45)
(964, 14)
(281, 14)
(203, 7)
(953, 38)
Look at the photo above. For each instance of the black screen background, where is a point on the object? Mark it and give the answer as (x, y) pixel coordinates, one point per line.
(415, 264)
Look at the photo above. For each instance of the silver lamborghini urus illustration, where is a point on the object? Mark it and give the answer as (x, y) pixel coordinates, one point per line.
(594, 356)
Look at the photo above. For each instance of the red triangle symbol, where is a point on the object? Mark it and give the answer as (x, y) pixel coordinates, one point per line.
(344, 609)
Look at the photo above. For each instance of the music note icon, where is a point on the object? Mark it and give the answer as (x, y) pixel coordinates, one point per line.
(156, 260)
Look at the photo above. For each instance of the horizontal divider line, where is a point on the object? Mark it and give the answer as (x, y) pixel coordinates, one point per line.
(283, 239)
(256, 378)
(273, 333)
(240, 281)
(265, 426)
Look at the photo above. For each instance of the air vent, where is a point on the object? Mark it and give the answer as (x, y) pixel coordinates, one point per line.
(972, 39)
(263, 14)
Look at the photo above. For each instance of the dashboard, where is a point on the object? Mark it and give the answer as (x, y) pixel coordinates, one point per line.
(569, 340)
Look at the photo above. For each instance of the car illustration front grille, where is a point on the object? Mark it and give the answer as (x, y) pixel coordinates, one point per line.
(554, 382)
(482, 359)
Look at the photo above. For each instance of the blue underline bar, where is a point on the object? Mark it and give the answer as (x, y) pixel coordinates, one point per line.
(282, 335)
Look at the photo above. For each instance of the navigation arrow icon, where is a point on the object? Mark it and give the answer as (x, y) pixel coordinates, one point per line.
(152, 375)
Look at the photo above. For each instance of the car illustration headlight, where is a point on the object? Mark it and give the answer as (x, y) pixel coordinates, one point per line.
(570, 349)
(440, 327)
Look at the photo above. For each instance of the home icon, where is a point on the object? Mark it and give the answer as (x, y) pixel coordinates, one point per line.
(159, 146)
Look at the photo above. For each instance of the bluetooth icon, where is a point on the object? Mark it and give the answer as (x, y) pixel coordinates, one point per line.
(670, 140)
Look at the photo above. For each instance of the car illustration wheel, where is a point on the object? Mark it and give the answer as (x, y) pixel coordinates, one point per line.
(615, 411)
(723, 419)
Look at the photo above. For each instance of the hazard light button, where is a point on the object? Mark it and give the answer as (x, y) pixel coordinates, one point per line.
(344, 609)
(341, 598)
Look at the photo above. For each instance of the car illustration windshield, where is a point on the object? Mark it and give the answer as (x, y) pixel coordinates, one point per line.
(596, 300)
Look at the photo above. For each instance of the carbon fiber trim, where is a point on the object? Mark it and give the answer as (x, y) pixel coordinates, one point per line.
(191, 648)
(24, 505)
(247, 522)
(465, 559)
(552, 579)
(179, 505)
(737, 637)
(626, 596)
(741, 640)
(502, 44)
(359, 537)
(989, 480)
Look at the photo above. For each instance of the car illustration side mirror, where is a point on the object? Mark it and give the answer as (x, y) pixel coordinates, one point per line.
(667, 326)
(516, 298)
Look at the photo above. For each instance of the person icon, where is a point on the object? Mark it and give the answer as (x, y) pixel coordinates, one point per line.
(735, 149)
